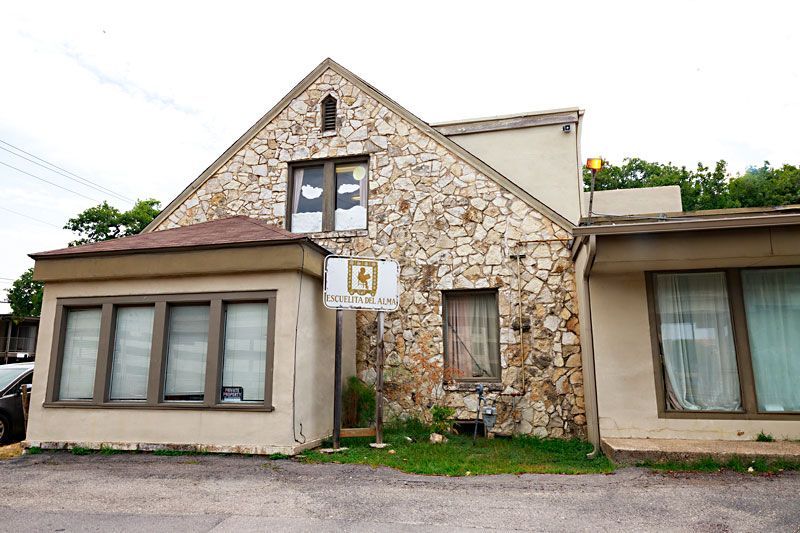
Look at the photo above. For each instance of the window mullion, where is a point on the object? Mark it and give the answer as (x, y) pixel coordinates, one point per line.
(104, 349)
(214, 355)
(155, 378)
(742, 341)
(329, 196)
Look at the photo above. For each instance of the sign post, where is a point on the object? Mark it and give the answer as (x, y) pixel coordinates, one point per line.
(367, 284)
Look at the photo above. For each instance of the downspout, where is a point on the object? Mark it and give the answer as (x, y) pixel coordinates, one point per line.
(587, 348)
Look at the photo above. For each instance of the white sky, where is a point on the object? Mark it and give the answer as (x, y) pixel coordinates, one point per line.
(142, 97)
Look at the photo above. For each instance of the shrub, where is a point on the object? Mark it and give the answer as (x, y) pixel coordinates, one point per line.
(358, 404)
(442, 418)
(765, 437)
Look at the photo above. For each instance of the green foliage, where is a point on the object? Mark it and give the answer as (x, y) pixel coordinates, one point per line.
(278, 456)
(736, 464)
(461, 456)
(765, 437)
(108, 450)
(33, 450)
(25, 295)
(442, 418)
(175, 453)
(766, 186)
(80, 450)
(358, 404)
(704, 188)
(104, 222)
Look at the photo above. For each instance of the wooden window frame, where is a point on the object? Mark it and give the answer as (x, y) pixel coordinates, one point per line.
(741, 340)
(445, 335)
(328, 190)
(158, 348)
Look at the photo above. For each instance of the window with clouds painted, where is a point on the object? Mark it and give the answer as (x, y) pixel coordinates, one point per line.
(351, 197)
(329, 196)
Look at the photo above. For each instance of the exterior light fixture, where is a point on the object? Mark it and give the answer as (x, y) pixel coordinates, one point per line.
(594, 163)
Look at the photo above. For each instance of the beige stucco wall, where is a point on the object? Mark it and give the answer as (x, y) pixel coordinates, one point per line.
(543, 160)
(665, 199)
(626, 390)
(253, 432)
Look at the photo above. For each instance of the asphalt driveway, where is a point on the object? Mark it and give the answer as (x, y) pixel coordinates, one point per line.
(62, 492)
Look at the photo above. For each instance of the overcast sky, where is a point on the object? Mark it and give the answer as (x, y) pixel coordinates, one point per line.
(142, 97)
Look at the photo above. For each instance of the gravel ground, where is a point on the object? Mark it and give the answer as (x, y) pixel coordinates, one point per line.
(57, 491)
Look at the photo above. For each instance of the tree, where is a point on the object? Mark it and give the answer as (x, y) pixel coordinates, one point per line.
(704, 188)
(98, 223)
(104, 222)
(25, 296)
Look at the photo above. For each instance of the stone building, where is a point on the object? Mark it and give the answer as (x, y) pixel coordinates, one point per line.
(478, 214)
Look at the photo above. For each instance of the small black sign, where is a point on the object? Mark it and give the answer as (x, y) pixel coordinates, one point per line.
(232, 394)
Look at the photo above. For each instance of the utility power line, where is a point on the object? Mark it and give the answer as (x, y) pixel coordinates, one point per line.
(49, 182)
(30, 217)
(58, 170)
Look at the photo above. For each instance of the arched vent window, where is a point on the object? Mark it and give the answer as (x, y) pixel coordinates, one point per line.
(329, 113)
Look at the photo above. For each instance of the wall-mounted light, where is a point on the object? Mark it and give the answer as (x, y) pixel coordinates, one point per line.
(594, 163)
(566, 128)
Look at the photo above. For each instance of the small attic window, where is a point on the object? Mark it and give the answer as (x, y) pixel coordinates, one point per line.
(329, 113)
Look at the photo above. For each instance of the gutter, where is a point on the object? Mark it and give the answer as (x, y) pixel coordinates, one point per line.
(587, 348)
(693, 224)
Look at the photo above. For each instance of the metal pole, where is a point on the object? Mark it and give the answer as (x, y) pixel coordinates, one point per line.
(379, 382)
(591, 193)
(337, 383)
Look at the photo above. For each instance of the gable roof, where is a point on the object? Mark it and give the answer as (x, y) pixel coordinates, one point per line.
(230, 232)
(329, 63)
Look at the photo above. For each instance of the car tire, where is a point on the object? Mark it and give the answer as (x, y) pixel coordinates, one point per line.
(5, 430)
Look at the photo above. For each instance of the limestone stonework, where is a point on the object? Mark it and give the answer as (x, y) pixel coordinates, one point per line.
(450, 227)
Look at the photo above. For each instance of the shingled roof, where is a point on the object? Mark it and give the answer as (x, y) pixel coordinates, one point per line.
(230, 232)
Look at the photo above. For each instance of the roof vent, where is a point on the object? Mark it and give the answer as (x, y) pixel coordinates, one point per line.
(329, 113)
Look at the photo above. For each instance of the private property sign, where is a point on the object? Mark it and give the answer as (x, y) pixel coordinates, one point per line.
(361, 283)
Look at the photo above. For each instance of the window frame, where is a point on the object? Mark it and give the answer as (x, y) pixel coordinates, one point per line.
(445, 334)
(157, 369)
(328, 190)
(741, 340)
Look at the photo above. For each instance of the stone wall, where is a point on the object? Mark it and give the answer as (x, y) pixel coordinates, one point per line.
(449, 226)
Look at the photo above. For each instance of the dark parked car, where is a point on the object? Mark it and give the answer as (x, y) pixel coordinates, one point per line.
(13, 378)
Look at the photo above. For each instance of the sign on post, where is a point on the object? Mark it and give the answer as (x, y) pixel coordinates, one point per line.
(361, 283)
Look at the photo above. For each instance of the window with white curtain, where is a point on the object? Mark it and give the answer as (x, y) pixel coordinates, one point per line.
(728, 342)
(154, 350)
(472, 347)
(79, 359)
(697, 342)
(130, 360)
(187, 349)
(245, 348)
(772, 305)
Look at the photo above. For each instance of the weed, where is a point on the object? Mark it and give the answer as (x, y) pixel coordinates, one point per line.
(765, 437)
(34, 450)
(358, 401)
(108, 450)
(176, 453)
(442, 418)
(80, 450)
(278, 456)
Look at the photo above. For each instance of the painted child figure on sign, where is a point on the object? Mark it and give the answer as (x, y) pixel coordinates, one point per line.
(363, 278)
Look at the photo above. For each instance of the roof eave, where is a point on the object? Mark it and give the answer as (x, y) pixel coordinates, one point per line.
(734, 222)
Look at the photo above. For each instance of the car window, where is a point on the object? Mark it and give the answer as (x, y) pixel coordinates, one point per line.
(9, 374)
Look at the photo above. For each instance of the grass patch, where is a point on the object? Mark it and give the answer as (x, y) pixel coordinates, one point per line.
(460, 456)
(34, 450)
(736, 464)
(108, 450)
(80, 450)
